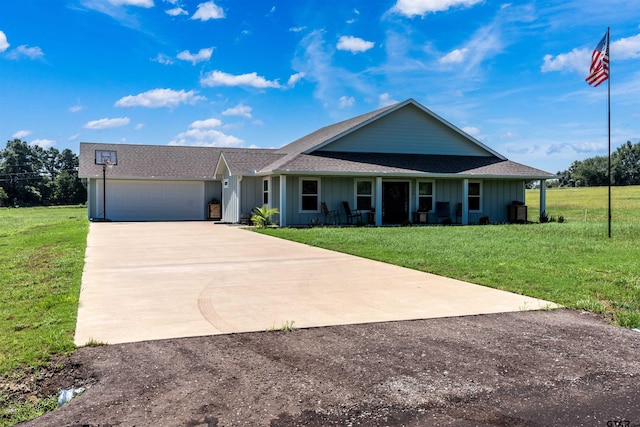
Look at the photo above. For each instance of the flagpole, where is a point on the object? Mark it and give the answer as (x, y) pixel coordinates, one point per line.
(609, 127)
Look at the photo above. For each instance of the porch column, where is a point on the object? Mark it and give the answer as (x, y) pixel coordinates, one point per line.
(543, 195)
(283, 200)
(465, 202)
(378, 201)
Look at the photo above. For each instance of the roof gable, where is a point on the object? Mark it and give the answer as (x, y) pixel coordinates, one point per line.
(408, 130)
(406, 127)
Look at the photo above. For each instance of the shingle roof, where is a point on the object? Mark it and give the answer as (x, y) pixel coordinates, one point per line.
(159, 161)
(361, 163)
(188, 162)
(249, 160)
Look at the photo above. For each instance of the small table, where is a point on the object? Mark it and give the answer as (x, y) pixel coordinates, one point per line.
(421, 217)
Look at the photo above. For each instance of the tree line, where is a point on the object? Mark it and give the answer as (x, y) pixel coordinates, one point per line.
(594, 171)
(31, 175)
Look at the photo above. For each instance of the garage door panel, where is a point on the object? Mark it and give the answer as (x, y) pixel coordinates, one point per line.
(155, 200)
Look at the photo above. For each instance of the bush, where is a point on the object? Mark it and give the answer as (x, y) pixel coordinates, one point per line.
(261, 217)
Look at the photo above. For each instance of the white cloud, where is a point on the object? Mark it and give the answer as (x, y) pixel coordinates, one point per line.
(412, 8)
(156, 98)
(163, 59)
(219, 78)
(21, 134)
(208, 10)
(578, 60)
(176, 11)
(239, 110)
(140, 3)
(346, 102)
(25, 51)
(206, 124)
(297, 29)
(76, 108)
(194, 58)
(295, 78)
(107, 123)
(203, 133)
(139, 126)
(628, 48)
(4, 44)
(74, 137)
(354, 44)
(385, 100)
(471, 130)
(315, 58)
(454, 57)
(43, 143)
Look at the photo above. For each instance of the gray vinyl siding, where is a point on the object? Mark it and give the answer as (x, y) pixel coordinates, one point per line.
(251, 194)
(497, 196)
(231, 200)
(408, 131)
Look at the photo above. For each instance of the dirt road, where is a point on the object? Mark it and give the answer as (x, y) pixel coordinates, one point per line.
(544, 368)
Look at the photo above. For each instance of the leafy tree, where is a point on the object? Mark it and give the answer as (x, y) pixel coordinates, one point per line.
(20, 169)
(31, 175)
(626, 164)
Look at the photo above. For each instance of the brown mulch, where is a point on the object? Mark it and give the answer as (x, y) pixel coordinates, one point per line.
(543, 368)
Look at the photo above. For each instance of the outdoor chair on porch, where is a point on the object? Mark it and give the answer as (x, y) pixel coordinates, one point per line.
(352, 213)
(443, 211)
(330, 217)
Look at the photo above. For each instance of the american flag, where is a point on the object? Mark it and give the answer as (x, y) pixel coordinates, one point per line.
(599, 71)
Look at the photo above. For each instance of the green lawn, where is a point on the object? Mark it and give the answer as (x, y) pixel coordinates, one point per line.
(571, 263)
(42, 257)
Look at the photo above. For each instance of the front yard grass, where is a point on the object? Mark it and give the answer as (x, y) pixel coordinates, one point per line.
(42, 257)
(571, 263)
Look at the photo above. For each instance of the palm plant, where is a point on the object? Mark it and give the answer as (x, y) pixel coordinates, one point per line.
(261, 217)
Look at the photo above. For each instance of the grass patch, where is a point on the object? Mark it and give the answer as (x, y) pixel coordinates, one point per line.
(42, 257)
(573, 263)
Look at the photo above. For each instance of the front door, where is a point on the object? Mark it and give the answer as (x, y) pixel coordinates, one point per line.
(395, 202)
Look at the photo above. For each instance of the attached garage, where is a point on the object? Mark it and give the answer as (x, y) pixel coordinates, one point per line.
(150, 183)
(140, 200)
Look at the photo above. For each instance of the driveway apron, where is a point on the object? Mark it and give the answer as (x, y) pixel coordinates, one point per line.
(158, 280)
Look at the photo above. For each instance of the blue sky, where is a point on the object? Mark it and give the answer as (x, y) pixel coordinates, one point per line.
(264, 73)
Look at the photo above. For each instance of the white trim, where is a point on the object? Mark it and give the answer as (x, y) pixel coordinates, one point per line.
(378, 201)
(480, 196)
(433, 193)
(318, 194)
(355, 192)
(283, 201)
(268, 192)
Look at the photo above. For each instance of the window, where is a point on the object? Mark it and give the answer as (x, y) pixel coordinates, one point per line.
(265, 191)
(364, 195)
(309, 195)
(474, 196)
(425, 196)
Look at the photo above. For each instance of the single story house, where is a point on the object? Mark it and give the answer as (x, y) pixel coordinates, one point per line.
(398, 164)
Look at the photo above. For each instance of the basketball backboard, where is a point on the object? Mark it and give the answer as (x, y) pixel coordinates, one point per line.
(106, 157)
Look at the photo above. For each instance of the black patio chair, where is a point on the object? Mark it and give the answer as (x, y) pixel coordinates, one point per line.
(352, 213)
(443, 210)
(330, 216)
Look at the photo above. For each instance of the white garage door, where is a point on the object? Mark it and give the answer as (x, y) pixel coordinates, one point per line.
(155, 200)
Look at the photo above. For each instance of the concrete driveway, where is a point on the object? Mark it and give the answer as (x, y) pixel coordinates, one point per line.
(148, 281)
